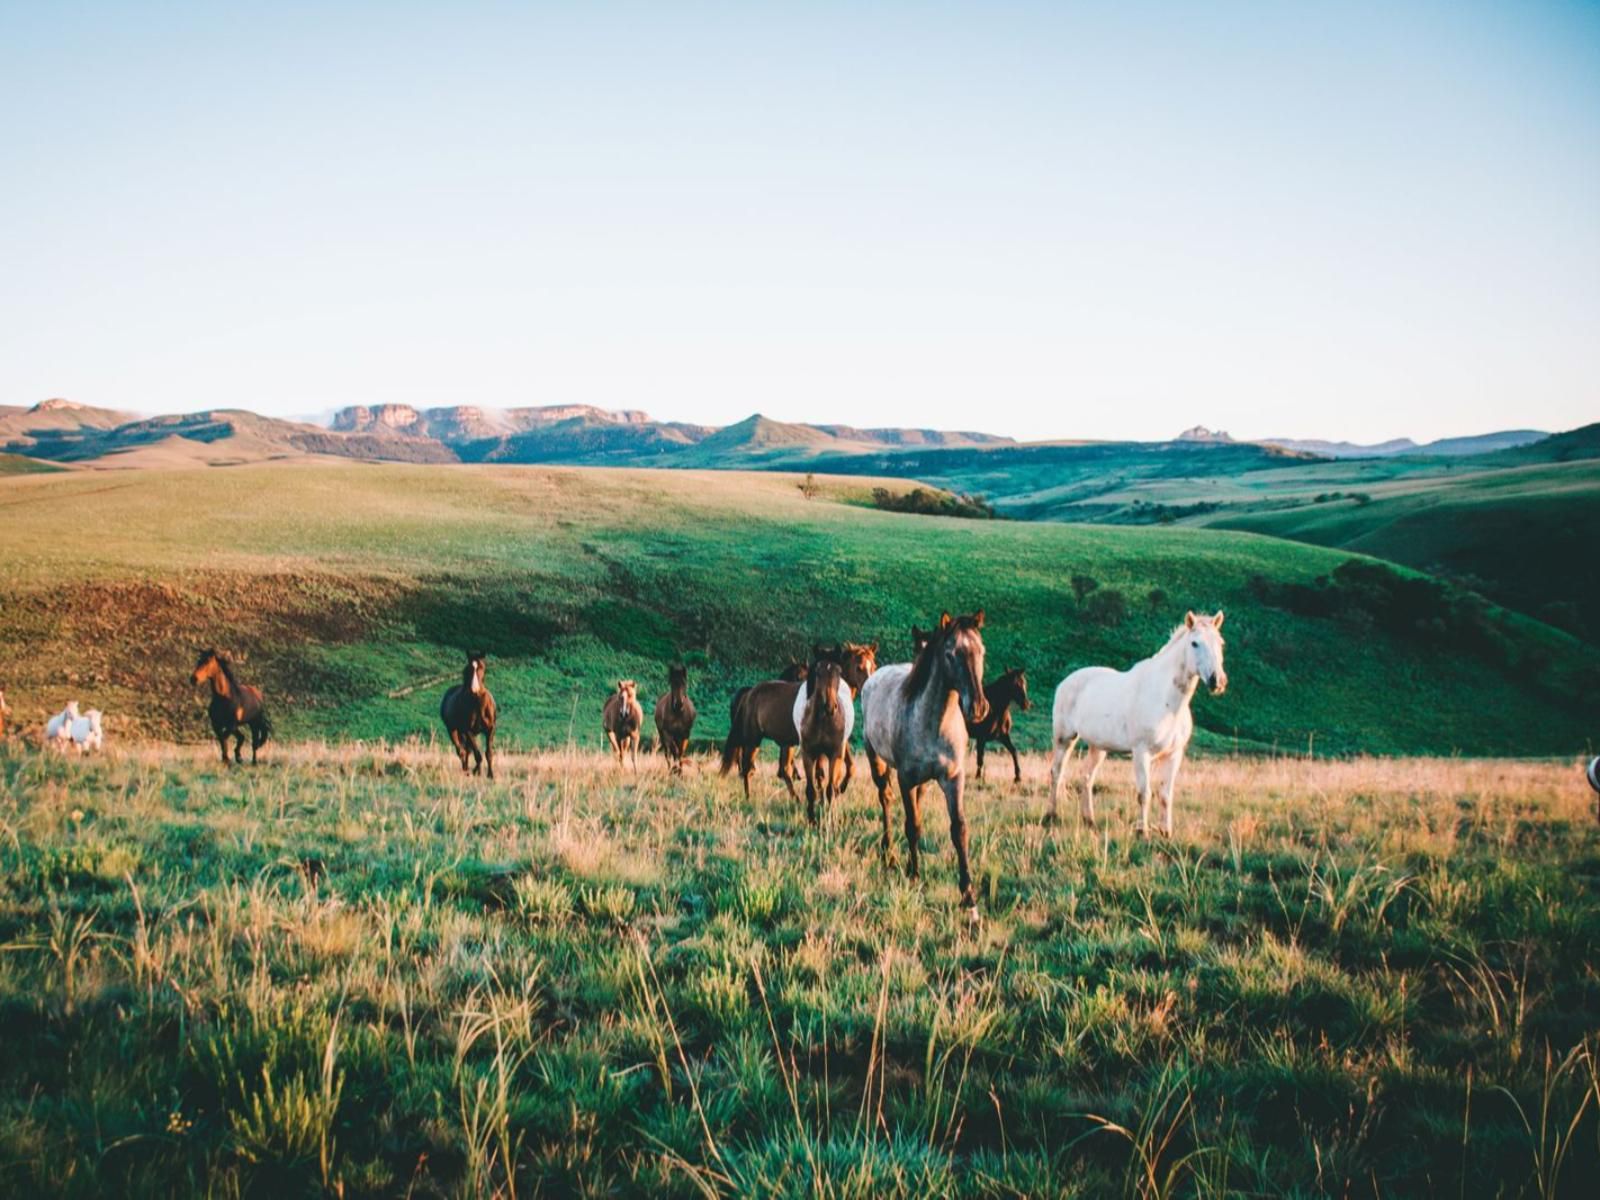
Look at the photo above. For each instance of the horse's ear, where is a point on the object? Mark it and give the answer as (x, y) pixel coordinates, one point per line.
(977, 619)
(1188, 619)
(872, 648)
(1217, 620)
(944, 620)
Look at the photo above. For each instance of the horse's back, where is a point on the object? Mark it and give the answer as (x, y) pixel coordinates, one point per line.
(881, 704)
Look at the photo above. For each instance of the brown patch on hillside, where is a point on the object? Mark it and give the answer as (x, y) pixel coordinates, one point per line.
(128, 646)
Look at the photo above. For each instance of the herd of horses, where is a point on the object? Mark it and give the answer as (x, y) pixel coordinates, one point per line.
(919, 718)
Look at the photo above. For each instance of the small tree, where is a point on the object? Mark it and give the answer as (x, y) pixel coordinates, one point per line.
(809, 487)
(1082, 585)
(1157, 598)
(1107, 607)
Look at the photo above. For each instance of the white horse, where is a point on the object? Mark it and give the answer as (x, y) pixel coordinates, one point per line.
(1143, 711)
(85, 732)
(58, 729)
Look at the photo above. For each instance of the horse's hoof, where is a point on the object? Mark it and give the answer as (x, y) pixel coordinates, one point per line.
(1140, 832)
(973, 919)
(1051, 820)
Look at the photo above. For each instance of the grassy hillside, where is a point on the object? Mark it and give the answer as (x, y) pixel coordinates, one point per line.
(19, 464)
(354, 974)
(350, 592)
(1525, 536)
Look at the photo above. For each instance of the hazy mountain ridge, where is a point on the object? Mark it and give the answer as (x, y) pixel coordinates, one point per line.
(1455, 447)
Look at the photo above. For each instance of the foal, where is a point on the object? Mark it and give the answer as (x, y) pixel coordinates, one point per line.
(1011, 688)
(675, 718)
(622, 719)
(233, 706)
(468, 710)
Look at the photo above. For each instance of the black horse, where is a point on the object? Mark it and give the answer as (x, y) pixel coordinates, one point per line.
(468, 710)
(1011, 688)
(233, 705)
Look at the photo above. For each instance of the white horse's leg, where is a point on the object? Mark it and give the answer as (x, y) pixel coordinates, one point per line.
(1095, 757)
(1169, 781)
(1057, 771)
(1141, 783)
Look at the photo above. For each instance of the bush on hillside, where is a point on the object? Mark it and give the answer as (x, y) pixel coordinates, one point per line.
(934, 503)
(1082, 585)
(1106, 606)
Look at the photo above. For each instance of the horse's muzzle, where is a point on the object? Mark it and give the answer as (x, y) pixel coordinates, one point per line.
(1218, 683)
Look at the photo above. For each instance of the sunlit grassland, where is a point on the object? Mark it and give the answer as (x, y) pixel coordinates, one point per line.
(350, 593)
(355, 970)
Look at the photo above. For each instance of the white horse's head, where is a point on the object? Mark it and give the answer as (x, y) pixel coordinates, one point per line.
(1203, 650)
(72, 710)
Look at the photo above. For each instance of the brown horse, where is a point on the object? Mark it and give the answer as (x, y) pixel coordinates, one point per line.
(1011, 688)
(766, 710)
(233, 705)
(915, 719)
(675, 718)
(824, 734)
(468, 710)
(623, 718)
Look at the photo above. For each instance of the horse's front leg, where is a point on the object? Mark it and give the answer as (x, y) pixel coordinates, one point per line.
(1096, 758)
(1058, 765)
(812, 768)
(472, 747)
(786, 771)
(958, 838)
(616, 746)
(913, 807)
(981, 746)
(1141, 783)
(488, 748)
(238, 745)
(1016, 763)
(880, 778)
(1169, 783)
(849, 769)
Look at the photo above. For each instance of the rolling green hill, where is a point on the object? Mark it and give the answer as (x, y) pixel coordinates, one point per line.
(350, 590)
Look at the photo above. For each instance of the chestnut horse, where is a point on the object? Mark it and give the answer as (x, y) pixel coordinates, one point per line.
(233, 705)
(623, 718)
(675, 718)
(915, 718)
(766, 710)
(1011, 688)
(468, 710)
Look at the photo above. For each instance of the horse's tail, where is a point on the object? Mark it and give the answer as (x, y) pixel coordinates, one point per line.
(265, 724)
(735, 719)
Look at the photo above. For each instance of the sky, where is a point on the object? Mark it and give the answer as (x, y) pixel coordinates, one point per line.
(1045, 220)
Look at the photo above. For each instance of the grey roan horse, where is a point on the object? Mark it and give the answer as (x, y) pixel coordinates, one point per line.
(915, 717)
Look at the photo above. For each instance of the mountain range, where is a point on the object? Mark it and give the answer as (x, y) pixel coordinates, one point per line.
(578, 434)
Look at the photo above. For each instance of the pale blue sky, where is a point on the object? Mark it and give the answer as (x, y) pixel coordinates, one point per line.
(1046, 220)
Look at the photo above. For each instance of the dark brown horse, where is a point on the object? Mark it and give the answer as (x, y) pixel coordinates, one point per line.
(623, 718)
(824, 733)
(468, 710)
(233, 706)
(915, 719)
(675, 718)
(1011, 688)
(766, 711)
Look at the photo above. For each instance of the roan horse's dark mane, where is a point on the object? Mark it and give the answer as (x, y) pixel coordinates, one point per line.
(923, 665)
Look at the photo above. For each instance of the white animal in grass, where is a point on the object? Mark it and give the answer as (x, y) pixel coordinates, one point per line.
(1143, 711)
(86, 733)
(58, 729)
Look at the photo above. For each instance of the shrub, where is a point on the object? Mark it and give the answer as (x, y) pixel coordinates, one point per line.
(934, 503)
(1082, 585)
(1106, 606)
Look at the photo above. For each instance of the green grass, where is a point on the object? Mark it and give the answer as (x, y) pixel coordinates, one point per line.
(19, 464)
(351, 591)
(353, 972)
